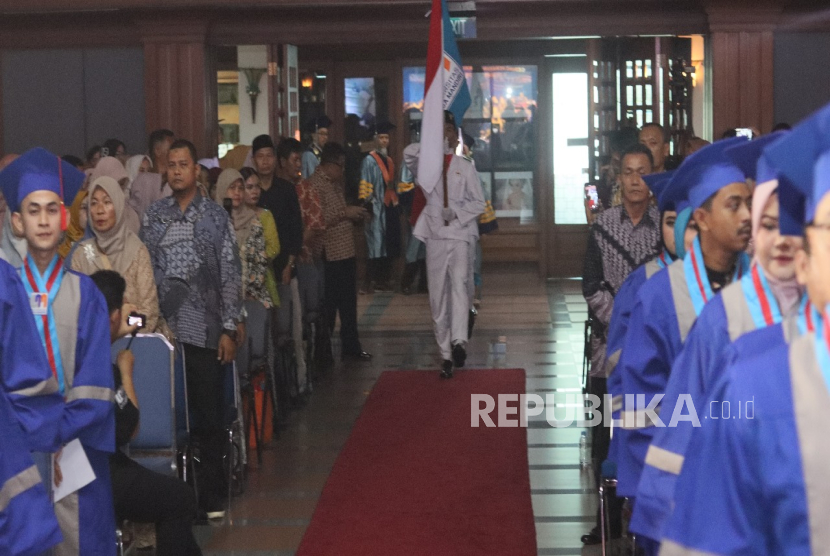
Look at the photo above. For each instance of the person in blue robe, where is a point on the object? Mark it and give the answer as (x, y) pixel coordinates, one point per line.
(762, 297)
(319, 130)
(75, 343)
(378, 194)
(416, 251)
(30, 413)
(754, 483)
(668, 304)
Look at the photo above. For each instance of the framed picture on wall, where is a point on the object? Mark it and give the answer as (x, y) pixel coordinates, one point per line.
(513, 194)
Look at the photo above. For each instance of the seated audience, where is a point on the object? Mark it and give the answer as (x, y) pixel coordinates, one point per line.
(138, 493)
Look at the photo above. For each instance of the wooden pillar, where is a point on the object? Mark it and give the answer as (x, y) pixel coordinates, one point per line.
(179, 84)
(742, 67)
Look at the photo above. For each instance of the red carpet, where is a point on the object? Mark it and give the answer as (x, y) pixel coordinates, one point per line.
(415, 479)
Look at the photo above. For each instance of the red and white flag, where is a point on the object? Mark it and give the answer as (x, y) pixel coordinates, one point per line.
(445, 88)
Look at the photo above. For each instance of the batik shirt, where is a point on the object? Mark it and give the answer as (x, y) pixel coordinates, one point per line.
(197, 246)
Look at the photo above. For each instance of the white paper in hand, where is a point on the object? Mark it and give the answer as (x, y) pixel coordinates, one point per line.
(75, 468)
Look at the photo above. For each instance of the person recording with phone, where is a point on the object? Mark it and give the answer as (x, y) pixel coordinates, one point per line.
(139, 494)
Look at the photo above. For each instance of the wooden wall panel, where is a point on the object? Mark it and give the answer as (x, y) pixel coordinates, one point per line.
(742, 68)
(178, 86)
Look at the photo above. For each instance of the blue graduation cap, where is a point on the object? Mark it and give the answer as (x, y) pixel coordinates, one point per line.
(750, 159)
(705, 172)
(39, 170)
(658, 183)
(802, 159)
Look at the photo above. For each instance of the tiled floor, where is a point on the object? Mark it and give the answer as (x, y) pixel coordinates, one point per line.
(524, 322)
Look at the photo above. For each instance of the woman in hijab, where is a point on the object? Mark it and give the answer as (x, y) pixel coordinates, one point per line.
(269, 227)
(136, 165)
(249, 236)
(115, 247)
(78, 228)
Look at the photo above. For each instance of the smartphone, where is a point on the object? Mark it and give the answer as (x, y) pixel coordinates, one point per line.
(137, 319)
(743, 132)
(592, 197)
(228, 204)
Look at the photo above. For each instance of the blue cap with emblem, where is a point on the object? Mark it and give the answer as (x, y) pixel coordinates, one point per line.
(802, 159)
(658, 184)
(39, 170)
(706, 172)
(749, 157)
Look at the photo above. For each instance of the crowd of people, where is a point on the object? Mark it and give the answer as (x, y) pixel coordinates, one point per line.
(707, 294)
(183, 244)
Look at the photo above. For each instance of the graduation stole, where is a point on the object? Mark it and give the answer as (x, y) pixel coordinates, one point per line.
(387, 170)
(823, 347)
(698, 282)
(808, 316)
(664, 259)
(42, 291)
(762, 303)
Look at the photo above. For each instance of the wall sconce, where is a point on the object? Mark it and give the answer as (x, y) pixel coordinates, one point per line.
(307, 81)
(252, 76)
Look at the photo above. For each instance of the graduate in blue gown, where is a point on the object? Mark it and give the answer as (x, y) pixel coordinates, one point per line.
(678, 231)
(319, 130)
(30, 413)
(761, 298)
(75, 342)
(378, 194)
(756, 483)
(670, 301)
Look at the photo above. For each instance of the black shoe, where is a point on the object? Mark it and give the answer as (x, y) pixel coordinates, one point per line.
(360, 356)
(591, 538)
(459, 355)
(446, 369)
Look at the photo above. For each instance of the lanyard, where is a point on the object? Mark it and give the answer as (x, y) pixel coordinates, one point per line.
(34, 283)
(698, 282)
(762, 303)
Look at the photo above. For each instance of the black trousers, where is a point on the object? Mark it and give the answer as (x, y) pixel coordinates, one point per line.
(341, 297)
(600, 443)
(206, 401)
(143, 496)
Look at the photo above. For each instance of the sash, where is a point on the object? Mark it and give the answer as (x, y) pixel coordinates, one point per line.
(808, 316)
(759, 297)
(698, 282)
(664, 259)
(387, 167)
(823, 347)
(50, 284)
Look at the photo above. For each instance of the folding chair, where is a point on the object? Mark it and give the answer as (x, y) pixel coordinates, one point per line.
(236, 453)
(156, 446)
(254, 356)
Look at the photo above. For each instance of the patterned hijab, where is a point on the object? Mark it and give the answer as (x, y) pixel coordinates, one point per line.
(119, 244)
(243, 216)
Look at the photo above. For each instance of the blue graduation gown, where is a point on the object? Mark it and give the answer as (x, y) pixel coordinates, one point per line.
(88, 415)
(734, 312)
(745, 481)
(666, 308)
(657, 328)
(623, 305)
(30, 413)
(311, 160)
(372, 191)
